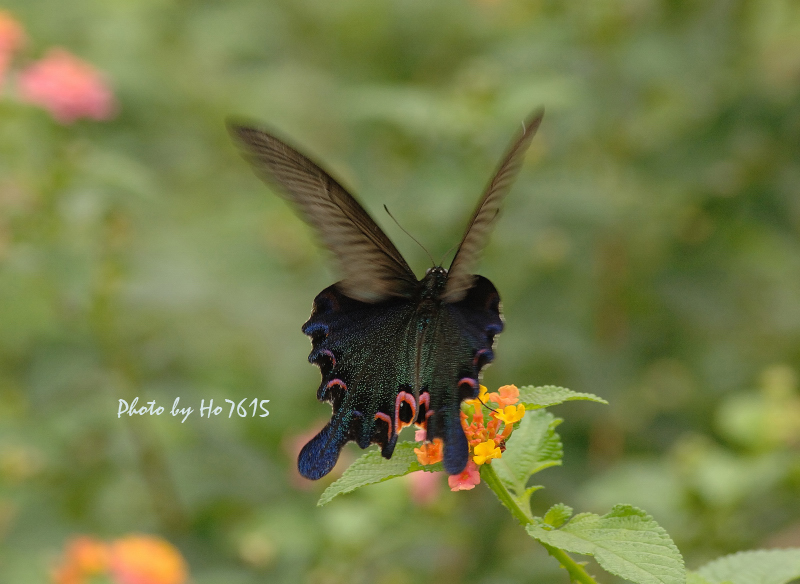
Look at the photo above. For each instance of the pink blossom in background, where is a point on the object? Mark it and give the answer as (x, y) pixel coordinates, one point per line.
(67, 87)
(292, 445)
(424, 486)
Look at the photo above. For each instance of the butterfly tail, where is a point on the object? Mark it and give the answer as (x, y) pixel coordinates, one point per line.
(319, 456)
(456, 447)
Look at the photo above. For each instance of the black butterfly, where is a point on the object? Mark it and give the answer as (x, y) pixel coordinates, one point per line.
(393, 350)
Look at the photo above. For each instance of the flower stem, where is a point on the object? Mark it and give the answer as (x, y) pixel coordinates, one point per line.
(576, 571)
(490, 478)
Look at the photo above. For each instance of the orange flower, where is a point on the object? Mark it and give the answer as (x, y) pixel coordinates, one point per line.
(67, 87)
(143, 559)
(509, 395)
(85, 556)
(430, 452)
(12, 35)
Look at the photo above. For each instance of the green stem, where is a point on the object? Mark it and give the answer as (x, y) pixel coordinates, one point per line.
(575, 570)
(490, 478)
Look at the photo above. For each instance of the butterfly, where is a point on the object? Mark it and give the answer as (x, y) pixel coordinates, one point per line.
(393, 350)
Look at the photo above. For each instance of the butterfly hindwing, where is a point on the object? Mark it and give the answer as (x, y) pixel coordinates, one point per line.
(367, 355)
(461, 345)
(362, 350)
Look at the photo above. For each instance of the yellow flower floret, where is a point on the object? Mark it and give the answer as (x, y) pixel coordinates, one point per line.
(510, 414)
(485, 451)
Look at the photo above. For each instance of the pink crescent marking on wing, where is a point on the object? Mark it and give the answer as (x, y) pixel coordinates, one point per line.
(404, 396)
(469, 381)
(338, 382)
(330, 356)
(478, 356)
(388, 420)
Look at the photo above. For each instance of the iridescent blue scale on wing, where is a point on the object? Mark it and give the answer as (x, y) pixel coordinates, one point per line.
(372, 350)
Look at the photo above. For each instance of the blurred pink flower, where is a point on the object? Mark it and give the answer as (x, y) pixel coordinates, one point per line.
(424, 487)
(466, 480)
(67, 87)
(292, 445)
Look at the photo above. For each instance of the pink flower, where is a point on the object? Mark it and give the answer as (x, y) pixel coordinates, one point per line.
(424, 487)
(292, 445)
(67, 87)
(466, 480)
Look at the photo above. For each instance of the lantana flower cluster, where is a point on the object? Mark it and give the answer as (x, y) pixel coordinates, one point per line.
(135, 559)
(488, 421)
(67, 87)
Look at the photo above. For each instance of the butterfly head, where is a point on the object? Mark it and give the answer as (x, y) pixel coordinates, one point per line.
(434, 282)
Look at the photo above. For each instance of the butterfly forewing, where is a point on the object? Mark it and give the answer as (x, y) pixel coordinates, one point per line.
(460, 276)
(370, 264)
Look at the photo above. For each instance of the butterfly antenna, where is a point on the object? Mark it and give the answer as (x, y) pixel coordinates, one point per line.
(487, 405)
(411, 236)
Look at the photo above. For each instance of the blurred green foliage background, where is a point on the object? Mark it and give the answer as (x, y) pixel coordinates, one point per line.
(648, 253)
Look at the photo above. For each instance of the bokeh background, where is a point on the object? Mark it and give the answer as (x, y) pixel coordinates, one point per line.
(648, 253)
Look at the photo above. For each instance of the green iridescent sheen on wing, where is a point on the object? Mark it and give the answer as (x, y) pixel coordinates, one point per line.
(367, 354)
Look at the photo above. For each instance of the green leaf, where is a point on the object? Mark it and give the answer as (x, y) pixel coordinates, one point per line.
(558, 514)
(754, 567)
(533, 446)
(626, 542)
(695, 578)
(535, 398)
(372, 468)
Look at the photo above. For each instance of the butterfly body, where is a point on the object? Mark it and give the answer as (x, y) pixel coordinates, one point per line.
(392, 350)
